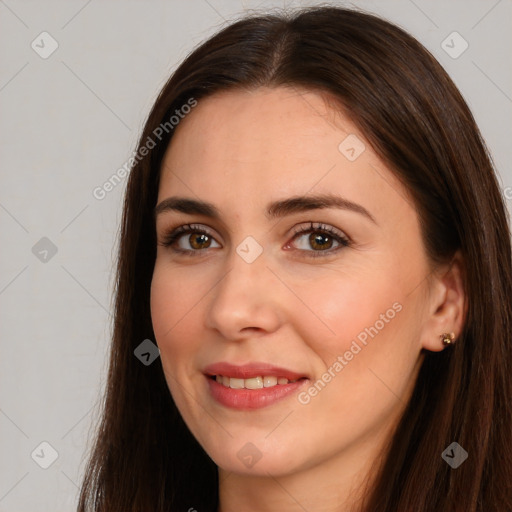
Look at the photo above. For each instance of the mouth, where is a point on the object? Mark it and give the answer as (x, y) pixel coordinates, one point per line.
(258, 382)
(252, 385)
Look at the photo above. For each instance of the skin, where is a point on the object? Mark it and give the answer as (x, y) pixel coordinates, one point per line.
(240, 150)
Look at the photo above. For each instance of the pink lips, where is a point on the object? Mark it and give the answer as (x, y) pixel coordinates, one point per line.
(249, 399)
(247, 371)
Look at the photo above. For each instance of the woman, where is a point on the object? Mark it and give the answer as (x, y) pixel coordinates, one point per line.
(315, 239)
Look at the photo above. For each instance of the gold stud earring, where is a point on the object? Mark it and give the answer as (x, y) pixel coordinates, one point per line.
(448, 338)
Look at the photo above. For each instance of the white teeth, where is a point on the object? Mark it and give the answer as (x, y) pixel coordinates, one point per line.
(269, 381)
(236, 383)
(252, 383)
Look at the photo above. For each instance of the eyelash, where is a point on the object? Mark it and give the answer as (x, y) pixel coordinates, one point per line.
(172, 237)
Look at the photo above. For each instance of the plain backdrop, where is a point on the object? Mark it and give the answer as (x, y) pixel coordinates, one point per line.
(71, 118)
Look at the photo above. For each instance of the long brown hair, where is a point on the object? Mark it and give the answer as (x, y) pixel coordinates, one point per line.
(144, 458)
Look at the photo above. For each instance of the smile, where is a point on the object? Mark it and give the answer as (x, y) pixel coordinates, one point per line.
(244, 397)
(258, 382)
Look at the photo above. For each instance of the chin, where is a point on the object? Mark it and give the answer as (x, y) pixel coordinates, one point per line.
(262, 467)
(255, 458)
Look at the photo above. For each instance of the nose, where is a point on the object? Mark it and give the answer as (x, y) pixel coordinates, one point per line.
(248, 299)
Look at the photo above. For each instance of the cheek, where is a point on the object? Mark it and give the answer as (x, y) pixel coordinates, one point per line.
(174, 298)
(370, 350)
(371, 357)
(349, 307)
(172, 301)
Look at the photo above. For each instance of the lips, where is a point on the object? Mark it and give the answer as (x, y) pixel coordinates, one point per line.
(251, 370)
(251, 386)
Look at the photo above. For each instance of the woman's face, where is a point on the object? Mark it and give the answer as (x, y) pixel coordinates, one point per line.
(271, 282)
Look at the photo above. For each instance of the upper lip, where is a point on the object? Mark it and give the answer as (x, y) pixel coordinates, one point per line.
(250, 370)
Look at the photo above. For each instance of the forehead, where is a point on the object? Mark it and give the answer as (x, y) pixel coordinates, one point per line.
(251, 126)
(270, 143)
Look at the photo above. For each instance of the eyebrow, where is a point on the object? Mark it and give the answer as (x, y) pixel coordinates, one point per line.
(275, 209)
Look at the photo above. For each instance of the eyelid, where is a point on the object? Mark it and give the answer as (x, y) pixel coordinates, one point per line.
(322, 227)
(341, 238)
(172, 235)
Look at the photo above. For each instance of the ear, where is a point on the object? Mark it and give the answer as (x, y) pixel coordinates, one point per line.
(446, 305)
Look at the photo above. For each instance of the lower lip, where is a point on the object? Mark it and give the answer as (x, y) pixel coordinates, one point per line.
(249, 399)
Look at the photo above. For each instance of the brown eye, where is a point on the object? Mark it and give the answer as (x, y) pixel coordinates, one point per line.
(320, 241)
(199, 241)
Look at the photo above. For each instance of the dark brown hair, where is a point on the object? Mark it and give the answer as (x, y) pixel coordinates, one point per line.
(144, 458)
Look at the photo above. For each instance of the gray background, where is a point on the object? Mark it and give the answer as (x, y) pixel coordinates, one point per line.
(68, 122)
